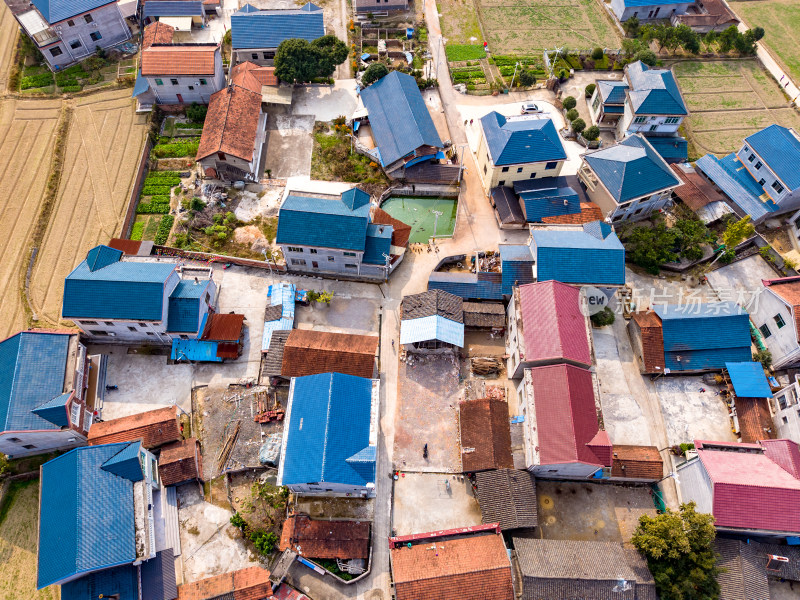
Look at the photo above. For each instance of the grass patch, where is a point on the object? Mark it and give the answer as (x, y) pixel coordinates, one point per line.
(456, 52)
(781, 21)
(330, 565)
(150, 228)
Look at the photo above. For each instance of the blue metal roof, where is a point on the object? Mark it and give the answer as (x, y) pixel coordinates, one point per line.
(141, 85)
(399, 119)
(516, 265)
(282, 294)
(119, 290)
(172, 8)
(55, 410)
(697, 360)
(378, 244)
(32, 369)
(671, 148)
(748, 379)
(355, 198)
(123, 581)
(54, 11)
(184, 306)
(550, 203)
(710, 326)
(434, 327)
(614, 110)
(779, 148)
(268, 28)
(631, 169)
(654, 91)
(579, 256)
(125, 463)
(194, 350)
(86, 516)
(322, 223)
(101, 256)
(469, 286)
(648, 2)
(328, 422)
(521, 140)
(736, 184)
(611, 92)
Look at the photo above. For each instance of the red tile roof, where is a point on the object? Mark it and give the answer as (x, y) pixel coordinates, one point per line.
(157, 33)
(325, 539)
(637, 462)
(600, 445)
(589, 212)
(155, 428)
(126, 246)
(485, 435)
(750, 489)
(400, 233)
(253, 77)
(231, 124)
(251, 583)
(223, 328)
(553, 326)
(308, 352)
(566, 416)
(468, 568)
(172, 60)
(180, 461)
(695, 192)
(755, 421)
(652, 334)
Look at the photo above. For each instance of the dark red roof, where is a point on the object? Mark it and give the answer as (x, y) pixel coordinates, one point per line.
(755, 421)
(154, 427)
(400, 231)
(325, 539)
(485, 435)
(251, 583)
(308, 352)
(125, 246)
(553, 325)
(566, 416)
(180, 461)
(652, 334)
(637, 462)
(600, 445)
(223, 328)
(157, 33)
(231, 124)
(589, 212)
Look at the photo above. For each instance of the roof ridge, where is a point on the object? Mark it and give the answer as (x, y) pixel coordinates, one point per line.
(327, 427)
(17, 366)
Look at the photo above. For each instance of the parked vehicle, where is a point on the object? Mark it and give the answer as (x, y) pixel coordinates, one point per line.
(529, 108)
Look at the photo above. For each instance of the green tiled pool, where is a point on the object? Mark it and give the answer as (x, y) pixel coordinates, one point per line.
(420, 213)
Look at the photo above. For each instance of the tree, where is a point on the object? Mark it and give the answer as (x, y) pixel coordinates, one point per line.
(728, 38)
(603, 318)
(737, 231)
(710, 39)
(591, 133)
(578, 125)
(569, 102)
(589, 90)
(572, 114)
(647, 56)
(758, 33)
(296, 61)
(691, 233)
(597, 54)
(764, 357)
(373, 73)
(631, 27)
(745, 43)
(688, 38)
(526, 78)
(332, 52)
(650, 247)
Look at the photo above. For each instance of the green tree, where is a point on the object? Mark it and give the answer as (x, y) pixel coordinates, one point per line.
(764, 357)
(589, 90)
(710, 39)
(591, 133)
(373, 73)
(758, 33)
(296, 61)
(597, 54)
(603, 318)
(578, 125)
(526, 78)
(650, 247)
(728, 38)
(572, 114)
(688, 38)
(569, 102)
(647, 56)
(737, 231)
(332, 52)
(631, 27)
(679, 548)
(745, 43)
(691, 233)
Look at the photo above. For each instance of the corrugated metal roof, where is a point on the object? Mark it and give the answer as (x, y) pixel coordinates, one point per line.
(507, 206)
(432, 328)
(86, 516)
(324, 223)
(268, 28)
(378, 244)
(194, 350)
(631, 169)
(733, 183)
(184, 306)
(516, 265)
(654, 91)
(670, 148)
(550, 203)
(469, 286)
(521, 140)
(172, 8)
(328, 422)
(54, 11)
(55, 410)
(398, 116)
(141, 85)
(123, 581)
(748, 380)
(158, 577)
(611, 92)
(32, 368)
(223, 328)
(577, 256)
(780, 150)
(126, 463)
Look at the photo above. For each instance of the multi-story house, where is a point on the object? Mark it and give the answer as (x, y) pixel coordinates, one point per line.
(336, 235)
(647, 10)
(53, 388)
(629, 180)
(66, 31)
(517, 148)
(179, 73)
(775, 315)
(762, 178)
(116, 298)
(607, 104)
(785, 410)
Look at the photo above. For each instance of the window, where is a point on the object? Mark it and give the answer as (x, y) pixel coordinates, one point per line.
(56, 52)
(762, 181)
(89, 322)
(29, 446)
(505, 169)
(221, 155)
(533, 176)
(751, 158)
(71, 23)
(191, 87)
(313, 251)
(265, 55)
(349, 253)
(350, 266)
(95, 35)
(550, 166)
(519, 169)
(671, 120)
(640, 119)
(184, 337)
(88, 18)
(331, 259)
(484, 169)
(14, 439)
(653, 127)
(596, 102)
(75, 413)
(785, 420)
(142, 324)
(75, 44)
(173, 81)
(130, 328)
(501, 182)
(159, 82)
(745, 149)
(294, 249)
(777, 186)
(779, 321)
(254, 55)
(758, 165)
(298, 261)
(203, 81)
(764, 329)
(98, 332)
(150, 333)
(108, 323)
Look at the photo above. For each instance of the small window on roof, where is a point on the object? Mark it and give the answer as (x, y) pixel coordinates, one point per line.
(29, 446)
(14, 439)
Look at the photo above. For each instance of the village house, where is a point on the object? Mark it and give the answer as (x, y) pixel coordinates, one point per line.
(432, 322)
(52, 389)
(109, 492)
(377, 7)
(751, 569)
(330, 436)
(182, 15)
(628, 181)
(484, 435)
(750, 396)
(761, 179)
(704, 16)
(179, 73)
(113, 297)
(607, 104)
(65, 31)
(308, 352)
(256, 34)
(647, 10)
(250, 583)
(517, 148)
(154, 428)
(552, 201)
(785, 410)
(180, 462)
(699, 194)
(317, 538)
(690, 338)
(507, 497)
(751, 489)
(221, 338)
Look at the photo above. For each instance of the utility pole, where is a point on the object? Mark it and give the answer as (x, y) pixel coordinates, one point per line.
(437, 214)
(513, 76)
(460, 165)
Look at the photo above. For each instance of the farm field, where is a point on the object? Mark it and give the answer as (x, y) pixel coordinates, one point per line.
(8, 36)
(729, 100)
(104, 145)
(781, 21)
(18, 545)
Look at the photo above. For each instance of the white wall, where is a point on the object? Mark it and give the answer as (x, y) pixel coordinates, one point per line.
(762, 172)
(782, 342)
(695, 486)
(44, 441)
(786, 412)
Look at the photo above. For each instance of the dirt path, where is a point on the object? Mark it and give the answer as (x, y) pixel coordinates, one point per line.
(8, 38)
(103, 149)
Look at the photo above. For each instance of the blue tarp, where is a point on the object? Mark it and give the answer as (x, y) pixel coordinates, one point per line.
(194, 350)
(748, 380)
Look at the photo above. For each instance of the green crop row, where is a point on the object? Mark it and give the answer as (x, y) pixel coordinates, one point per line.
(36, 81)
(168, 181)
(156, 190)
(164, 227)
(163, 175)
(137, 231)
(175, 150)
(456, 52)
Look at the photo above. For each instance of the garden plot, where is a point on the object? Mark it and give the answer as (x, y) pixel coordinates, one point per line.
(781, 20)
(26, 138)
(103, 149)
(8, 35)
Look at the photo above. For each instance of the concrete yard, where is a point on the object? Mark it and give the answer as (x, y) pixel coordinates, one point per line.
(326, 102)
(289, 143)
(691, 414)
(422, 502)
(346, 314)
(591, 511)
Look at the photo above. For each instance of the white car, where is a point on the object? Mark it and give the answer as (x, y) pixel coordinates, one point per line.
(529, 108)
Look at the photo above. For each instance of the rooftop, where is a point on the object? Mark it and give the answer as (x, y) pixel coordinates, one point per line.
(253, 28)
(433, 302)
(521, 140)
(468, 286)
(308, 352)
(637, 462)
(507, 497)
(180, 461)
(173, 8)
(485, 435)
(612, 91)
(779, 148)
(154, 428)
(223, 328)
(231, 124)
(325, 539)
(696, 192)
(179, 60)
(748, 379)
(157, 33)
(251, 583)
(730, 176)
(54, 11)
(653, 91)
(329, 222)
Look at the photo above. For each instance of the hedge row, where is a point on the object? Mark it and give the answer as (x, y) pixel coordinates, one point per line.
(175, 150)
(189, 125)
(164, 227)
(152, 208)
